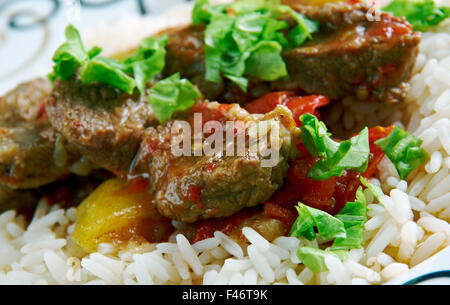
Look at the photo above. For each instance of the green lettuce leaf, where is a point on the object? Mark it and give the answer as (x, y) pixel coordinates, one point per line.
(328, 227)
(303, 30)
(404, 150)
(334, 157)
(266, 62)
(354, 217)
(136, 71)
(422, 14)
(203, 11)
(148, 61)
(170, 95)
(248, 41)
(106, 71)
(346, 228)
(314, 258)
(70, 55)
(375, 189)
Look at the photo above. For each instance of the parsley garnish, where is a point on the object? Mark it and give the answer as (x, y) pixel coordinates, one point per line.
(404, 150)
(244, 39)
(333, 157)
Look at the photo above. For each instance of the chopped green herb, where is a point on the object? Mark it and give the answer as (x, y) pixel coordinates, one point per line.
(70, 55)
(328, 227)
(404, 150)
(144, 65)
(94, 52)
(354, 217)
(422, 14)
(375, 189)
(314, 258)
(346, 228)
(148, 61)
(248, 41)
(266, 62)
(170, 95)
(303, 30)
(334, 157)
(106, 71)
(203, 11)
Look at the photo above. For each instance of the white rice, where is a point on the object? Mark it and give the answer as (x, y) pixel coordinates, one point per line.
(407, 227)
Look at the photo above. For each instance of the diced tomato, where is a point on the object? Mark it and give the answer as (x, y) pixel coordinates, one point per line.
(287, 196)
(268, 102)
(376, 154)
(315, 193)
(345, 189)
(297, 104)
(287, 215)
(306, 104)
(328, 195)
(299, 188)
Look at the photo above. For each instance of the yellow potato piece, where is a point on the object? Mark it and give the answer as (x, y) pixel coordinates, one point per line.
(119, 213)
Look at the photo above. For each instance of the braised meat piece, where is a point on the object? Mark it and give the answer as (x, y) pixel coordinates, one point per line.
(121, 134)
(32, 153)
(219, 184)
(350, 56)
(105, 125)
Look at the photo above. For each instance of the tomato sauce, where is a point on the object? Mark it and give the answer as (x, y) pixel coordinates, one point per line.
(219, 114)
(206, 228)
(194, 194)
(286, 215)
(137, 185)
(389, 27)
(330, 195)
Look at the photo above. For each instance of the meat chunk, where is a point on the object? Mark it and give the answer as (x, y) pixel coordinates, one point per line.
(32, 153)
(189, 188)
(105, 125)
(121, 134)
(350, 56)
